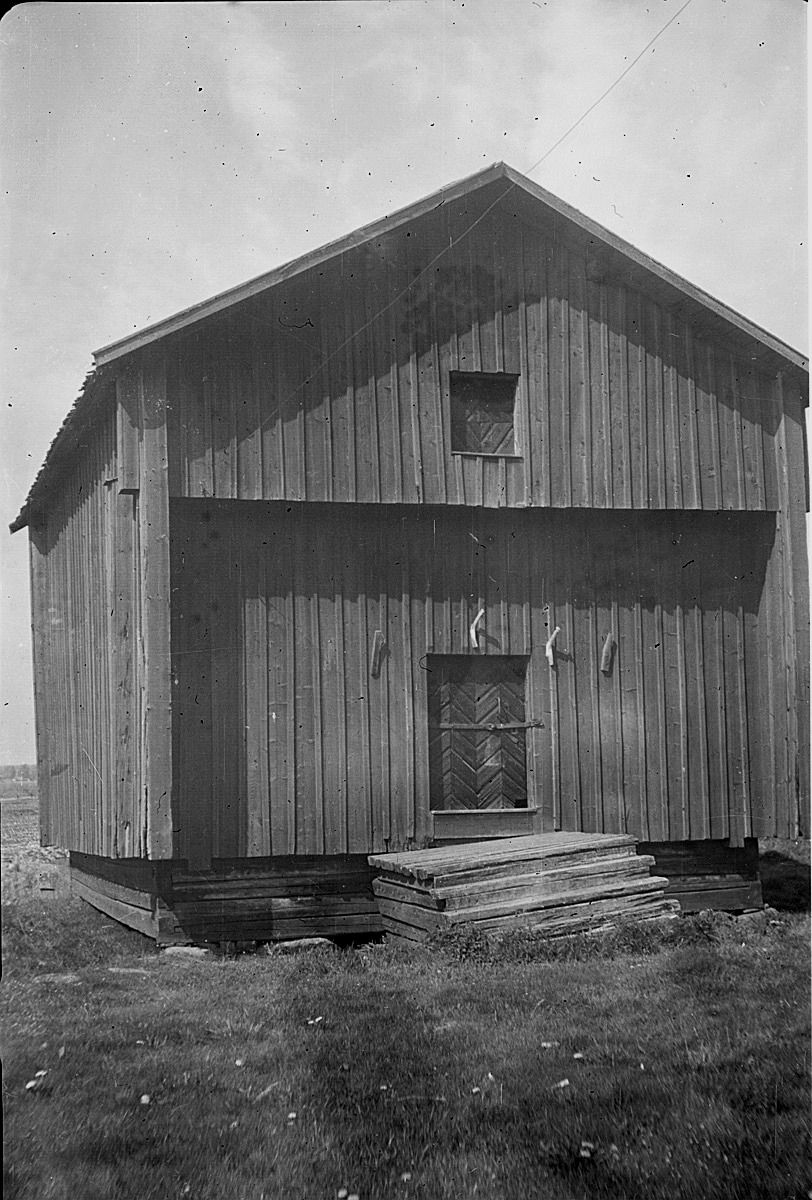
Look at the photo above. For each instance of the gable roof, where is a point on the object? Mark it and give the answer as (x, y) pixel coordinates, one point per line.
(641, 270)
(597, 235)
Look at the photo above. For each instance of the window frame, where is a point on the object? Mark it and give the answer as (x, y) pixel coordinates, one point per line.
(514, 377)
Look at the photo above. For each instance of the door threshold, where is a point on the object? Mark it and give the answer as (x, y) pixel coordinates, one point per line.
(471, 825)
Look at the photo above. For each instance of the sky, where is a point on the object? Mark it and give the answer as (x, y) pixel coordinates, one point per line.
(153, 155)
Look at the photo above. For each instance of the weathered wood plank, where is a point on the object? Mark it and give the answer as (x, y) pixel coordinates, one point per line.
(422, 863)
(128, 837)
(486, 824)
(620, 415)
(696, 717)
(244, 382)
(672, 430)
(409, 916)
(636, 384)
(43, 656)
(127, 433)
(573, 918)
(702, 858)
(553, 882)
(270, 908)
(796, 503)
(542, 865)
(192, 715)
(711, 471)
(687, 409)
(655, 414)
(559, 378)
(406, 895)
(258, 705)
(330, 699)
(303, 778)
(409, 373)
(735, 898)
(581, 434)
(714, 689)
(121, 891)
(211, 927)
(155, 674)
(135, 916)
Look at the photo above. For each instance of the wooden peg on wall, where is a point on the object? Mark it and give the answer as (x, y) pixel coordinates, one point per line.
(377, 651)
(607, 657)
(473, 631)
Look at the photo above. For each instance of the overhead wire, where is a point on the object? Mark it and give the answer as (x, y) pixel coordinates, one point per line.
(611, 88)
(453, 241)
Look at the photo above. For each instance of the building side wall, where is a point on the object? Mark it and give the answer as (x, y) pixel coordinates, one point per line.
(334, 386)
(793, 487)
(85, 703)
(286, 741)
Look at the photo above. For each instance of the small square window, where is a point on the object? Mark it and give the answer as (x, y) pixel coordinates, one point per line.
(483, 412)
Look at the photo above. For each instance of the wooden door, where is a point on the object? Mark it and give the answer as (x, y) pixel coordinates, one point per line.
(477, 732)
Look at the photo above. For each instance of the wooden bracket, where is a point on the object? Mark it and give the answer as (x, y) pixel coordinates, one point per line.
(549, 649)
(472, 632)
(607, 657)
(377, 652)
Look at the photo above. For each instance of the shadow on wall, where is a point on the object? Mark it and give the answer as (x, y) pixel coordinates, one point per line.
(785, 874)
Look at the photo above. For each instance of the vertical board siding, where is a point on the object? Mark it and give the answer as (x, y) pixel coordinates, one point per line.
(155, 604)
(334, 386)
(792, 490)
(288, 743)
(43, 652)
(332, 389)
(84, 555)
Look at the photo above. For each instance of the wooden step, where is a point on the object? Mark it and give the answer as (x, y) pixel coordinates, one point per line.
(535, 899)
(412, 924)
(404, 893)
(521, 865)
(419, 909)
(411, 916)
(560, 882)
(426, 865)
(574, 918)
(552, 882)
(549, 881)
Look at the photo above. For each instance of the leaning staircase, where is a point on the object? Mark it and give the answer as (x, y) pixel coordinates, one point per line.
(556, 883)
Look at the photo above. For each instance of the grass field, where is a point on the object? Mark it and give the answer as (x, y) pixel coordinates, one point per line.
(28, 868)
(652, 1064)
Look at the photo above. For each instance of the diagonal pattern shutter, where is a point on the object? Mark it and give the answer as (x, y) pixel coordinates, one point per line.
(477, 733)
(483, 412)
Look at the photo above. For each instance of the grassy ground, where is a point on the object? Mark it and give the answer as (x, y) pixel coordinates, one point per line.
(650, 1065)
(28, 869)
(16, 788)
(667, 1063)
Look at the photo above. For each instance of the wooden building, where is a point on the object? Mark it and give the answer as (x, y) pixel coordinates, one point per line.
(477, 522)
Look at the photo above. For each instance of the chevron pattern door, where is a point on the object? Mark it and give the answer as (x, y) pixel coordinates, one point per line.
(477, 732)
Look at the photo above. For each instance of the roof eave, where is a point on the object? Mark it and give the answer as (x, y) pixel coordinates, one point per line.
(671, 278)
(71, 428)
(21, 520)
(314, 258)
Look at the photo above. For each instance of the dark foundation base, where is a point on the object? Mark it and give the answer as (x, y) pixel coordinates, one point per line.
(260, 899)
(278, 899)
(704, 875)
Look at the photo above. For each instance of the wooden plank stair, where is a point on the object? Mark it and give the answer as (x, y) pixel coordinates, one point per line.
(554, 882)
